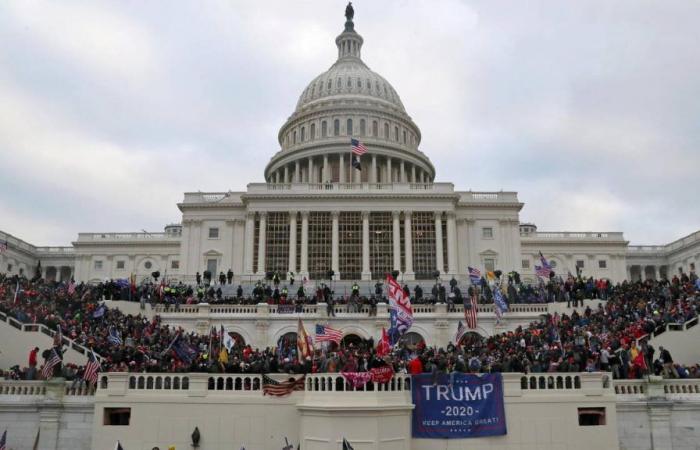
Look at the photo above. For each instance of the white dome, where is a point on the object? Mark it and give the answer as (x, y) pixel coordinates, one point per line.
(349, 77)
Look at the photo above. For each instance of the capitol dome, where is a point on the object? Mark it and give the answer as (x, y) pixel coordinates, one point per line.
(349, 101)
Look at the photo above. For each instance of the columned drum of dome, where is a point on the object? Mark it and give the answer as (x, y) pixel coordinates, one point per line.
(349, 101)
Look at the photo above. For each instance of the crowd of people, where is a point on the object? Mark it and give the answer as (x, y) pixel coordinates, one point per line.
(609, 337)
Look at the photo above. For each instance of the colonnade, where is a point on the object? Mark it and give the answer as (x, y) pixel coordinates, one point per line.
(397, 222)
(381, 169)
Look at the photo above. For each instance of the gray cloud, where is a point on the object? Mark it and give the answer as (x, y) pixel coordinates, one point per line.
(588, 109)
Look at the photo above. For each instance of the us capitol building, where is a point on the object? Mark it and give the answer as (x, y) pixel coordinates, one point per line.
(316, 213)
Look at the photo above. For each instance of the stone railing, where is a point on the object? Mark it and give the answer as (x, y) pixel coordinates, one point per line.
(320, 310)
(341, 188)
(589, 235)
(658, 388)
(40, 388)
(41, 328)
(118, 237)
(55, 251)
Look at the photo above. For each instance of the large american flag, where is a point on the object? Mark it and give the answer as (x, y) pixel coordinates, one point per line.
(325, 333)
(470, 311)
(53, 361)
(358, 147)
(91, 368)
(281, 388)
(474, 275)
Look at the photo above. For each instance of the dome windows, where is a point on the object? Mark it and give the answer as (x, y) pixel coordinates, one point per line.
(303, 134)
(362, 127)
(386, 131)
(312, 131)
(324, 129)
(330, 84)
(404, 136)
(375, 128)
(396, 134)
(336, 127)
(359, 83)
(294, 137)
(338, 83)
(348, 129)
(349, 83)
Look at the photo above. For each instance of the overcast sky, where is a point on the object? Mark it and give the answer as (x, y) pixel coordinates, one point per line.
(109, 111)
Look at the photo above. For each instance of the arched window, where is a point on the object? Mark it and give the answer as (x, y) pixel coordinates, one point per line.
(349, 83)
(396, 134)
(386, 131)
(349, 128)
(375, 128)
(303, 134)
(338, 83)
(359, 83)
(324, 129)
(411, 339)
(369, 85)
(294, 139)
(329, 85)
(336, 127)
(362, 127)
(312, 131)
(404, 136)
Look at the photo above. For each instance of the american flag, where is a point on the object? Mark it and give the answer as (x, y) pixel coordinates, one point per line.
(53, 361)
(358, 147)
(325, 333)
(91, 368)
(71, 287)
(461, 331)
(545, 269)
(470, 311)
(474, 275)
(281, 388)
(3, 247)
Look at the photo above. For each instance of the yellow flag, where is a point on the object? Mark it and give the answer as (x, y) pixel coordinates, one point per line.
(490, 276)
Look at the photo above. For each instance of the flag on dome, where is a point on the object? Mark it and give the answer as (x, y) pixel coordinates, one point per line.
(325, 333)
(474, 275)
(399, 302)
(358, 147)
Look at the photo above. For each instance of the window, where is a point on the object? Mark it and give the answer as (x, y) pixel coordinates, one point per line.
(336, 127)
(98, 264)
(404, 136)
(375, 128)
(213, 233)
(349, 83)
(303, 134)
(338, 83)
(580, 264)
(312, 132)
(116, 416)
(525, 264)
(362, 127)
(386, 131)
(120, 264)
(320, 231)
(211, 266)
(324, 129)
(350, 244)
(277, 243)
(487, 233)
(591, 417)
(175, 264)
(490, 264)
(294, 139)
(380, 243)
(602, 264)
(553, 264)
(329, 85)
(348, 128)
(9, 267)
(396, 134)
(423, 231)
(148, 264)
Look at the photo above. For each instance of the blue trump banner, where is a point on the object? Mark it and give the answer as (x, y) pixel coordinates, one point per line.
(472, 406)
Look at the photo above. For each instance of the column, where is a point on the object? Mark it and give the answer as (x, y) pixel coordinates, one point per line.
(439, 260)
(297, 172)
(293, 241)
(396, 236)
(341, 168)
(388, 170)
(408, 243)
(304, 270)
(373, 175)
(335, 245)
(249, 242)
(641, 273)
(366, 274)
(326, 170)
(413, 174)
(656, 273)
(402, 173)
(311, 178)
(452, 244)
(629, 273)
(261, 243)
(286, 173)
(274, 177)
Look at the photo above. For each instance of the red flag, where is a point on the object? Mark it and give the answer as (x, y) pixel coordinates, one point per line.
(383, 346)
(639, 361)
